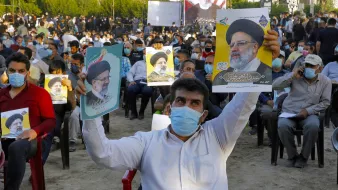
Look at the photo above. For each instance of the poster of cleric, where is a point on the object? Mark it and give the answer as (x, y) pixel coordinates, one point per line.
(14, 122)
(242, 62)
(160, 66)
(57, 91)
(103, 66)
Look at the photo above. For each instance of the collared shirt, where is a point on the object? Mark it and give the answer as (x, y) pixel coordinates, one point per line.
(314, 97)
(251, 66)
(39, 103)
(166, 162)
(125, 66)
(331, 71)
(137, 72)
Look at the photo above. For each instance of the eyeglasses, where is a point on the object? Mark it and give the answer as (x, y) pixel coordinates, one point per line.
(103, 79)
(241, 43)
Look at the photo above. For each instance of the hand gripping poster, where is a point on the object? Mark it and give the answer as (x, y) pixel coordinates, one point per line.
(160, 66)
(103, 81)
(242, 62)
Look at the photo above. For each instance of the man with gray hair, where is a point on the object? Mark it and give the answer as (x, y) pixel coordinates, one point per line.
(310, 94)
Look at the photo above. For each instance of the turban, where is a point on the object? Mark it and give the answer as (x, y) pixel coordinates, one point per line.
(12, 118)
(53, 81)
(96, 69)
(247, 26)
(157, 56)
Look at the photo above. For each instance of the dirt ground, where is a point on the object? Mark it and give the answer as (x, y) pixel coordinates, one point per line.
(248, 166)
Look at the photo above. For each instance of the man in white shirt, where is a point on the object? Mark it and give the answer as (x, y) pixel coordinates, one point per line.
(187, 154)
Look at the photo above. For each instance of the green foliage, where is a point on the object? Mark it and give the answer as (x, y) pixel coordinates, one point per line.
(30, 7)
(277, 9)
(317, 9)
(242, 4)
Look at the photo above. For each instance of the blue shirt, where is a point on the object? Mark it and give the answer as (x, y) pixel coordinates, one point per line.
(331, 71)
(125, 64)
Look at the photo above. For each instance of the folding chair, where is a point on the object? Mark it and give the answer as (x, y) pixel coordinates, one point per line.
(334, 141)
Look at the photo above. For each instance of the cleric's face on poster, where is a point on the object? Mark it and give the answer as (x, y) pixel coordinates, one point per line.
(204, 4)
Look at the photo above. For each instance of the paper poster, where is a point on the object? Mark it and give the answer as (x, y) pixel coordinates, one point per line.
(202, 11)
(160, 66)
(160, 122)
(58, 92)
(242, 63)
(14, 122)
(103, 81)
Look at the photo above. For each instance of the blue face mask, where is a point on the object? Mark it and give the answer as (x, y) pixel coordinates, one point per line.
(4, 37)
(126, 51)
(277, 63)
(139, 48)
(184, 120)
(176, 61)
(49, 52)
(74, 69)
(309, 73)
(208, 68)
(16, 80)
(286, 47)
(175, 40)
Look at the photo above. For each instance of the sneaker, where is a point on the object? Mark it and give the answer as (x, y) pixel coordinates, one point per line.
(301, 162)
(72, 146)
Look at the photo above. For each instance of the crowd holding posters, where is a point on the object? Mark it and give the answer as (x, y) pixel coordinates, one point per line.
(160, 66)
(103, 81)
(242, 64)
(14, 122)
(57, 91)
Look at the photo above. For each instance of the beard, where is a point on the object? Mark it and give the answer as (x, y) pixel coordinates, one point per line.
(161, 70)
(104, 90)
(242, 60)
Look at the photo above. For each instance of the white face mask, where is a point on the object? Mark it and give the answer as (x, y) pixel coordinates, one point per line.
(194, 56)
(202, 43)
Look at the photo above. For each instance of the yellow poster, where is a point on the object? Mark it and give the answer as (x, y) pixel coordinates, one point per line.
(242, 63)
(14, 122)
(160, 66)
(58, 92)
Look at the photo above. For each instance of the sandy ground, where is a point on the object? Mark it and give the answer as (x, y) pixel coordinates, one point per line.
(248, 166)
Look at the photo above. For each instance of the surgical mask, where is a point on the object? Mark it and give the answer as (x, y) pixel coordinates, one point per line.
(45, 46)
(184, 120)
(300, 48)
(305, 53)
(277, 63)
(119, 41)
(49, 52)
(74, 69)
(96, 39)
(68, 49)
(208, 68)
(286, 47)
(16, 80)
(126, 51)
(4, 37)
(30, 43)
(175, 40)
(309, 73)
(176, 61)
(202, 43)
(139, 48)
(194, 56)
(207, 50)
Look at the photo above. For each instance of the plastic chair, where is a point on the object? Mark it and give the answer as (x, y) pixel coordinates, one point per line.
(334, 141)
(37, 172)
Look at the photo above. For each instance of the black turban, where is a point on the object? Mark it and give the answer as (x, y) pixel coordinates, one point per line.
(53, 81)
(247, 26)
(12, 118)
(96, 69)
(157, 56)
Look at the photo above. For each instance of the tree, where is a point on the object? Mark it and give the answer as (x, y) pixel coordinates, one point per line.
(29, 6)
(62, 7)
(277, 9)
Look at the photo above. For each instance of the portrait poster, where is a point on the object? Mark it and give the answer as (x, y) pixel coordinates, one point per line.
(103, 68)
(14, 122)
(202, 11)
(58, 92)
(242, 63)
(160, 66)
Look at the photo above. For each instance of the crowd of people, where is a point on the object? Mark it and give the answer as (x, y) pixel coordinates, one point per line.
(305, 61)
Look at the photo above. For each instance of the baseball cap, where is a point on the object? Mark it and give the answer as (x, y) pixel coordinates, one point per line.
(313, 59)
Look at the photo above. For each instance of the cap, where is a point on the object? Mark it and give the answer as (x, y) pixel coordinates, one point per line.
(138, 31)
(282, 53)
(313, 59)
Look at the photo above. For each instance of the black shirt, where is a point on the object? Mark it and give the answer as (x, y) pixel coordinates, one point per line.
(328, 38)
(135, 56)
(183, 46)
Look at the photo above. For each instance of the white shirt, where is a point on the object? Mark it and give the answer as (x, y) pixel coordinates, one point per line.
(166, 162)
(252, 66)
(67, 38)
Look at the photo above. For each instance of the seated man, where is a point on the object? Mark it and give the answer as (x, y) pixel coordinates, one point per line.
(331, 69)
(295, 54)
(138, 85)
(187, 66)
(52, 54)
(310, 94)
(21, 94)
(181, 55)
